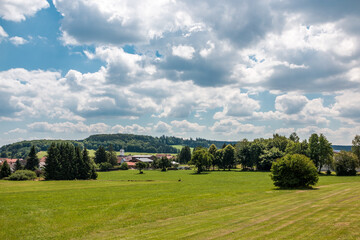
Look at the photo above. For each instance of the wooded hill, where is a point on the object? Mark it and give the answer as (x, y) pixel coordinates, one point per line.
(128, 142)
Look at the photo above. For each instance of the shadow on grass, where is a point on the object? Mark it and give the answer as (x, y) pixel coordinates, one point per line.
(202, 173)
(297, 188)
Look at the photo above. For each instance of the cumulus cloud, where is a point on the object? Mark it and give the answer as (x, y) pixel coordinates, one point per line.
(18, 10)
(186, 126)
(3, 34)
(18, 40)
(68, 127)
(182, 51)
(290, 103)
(162, 127)
(134, 128)
(234, 127)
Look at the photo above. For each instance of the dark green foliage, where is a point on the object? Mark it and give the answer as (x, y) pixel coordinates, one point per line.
(112, 159)
(5, 170)
(243, 154)
(325, 152)
(66, 162)
(314, 149)
(18, 165)
(280, 142)
(294, 137)
(164, 163)
(22, 175)
(32, 162)
(140, 166)
(356, 146)
(297, 148)
(212, 151)
(219, 159)
(346, 163)
(229, 157)
(202, 159)
(268, 157)
(294, 171)
(101, 155)
(105, 166)
(124, 166)
(185, 155)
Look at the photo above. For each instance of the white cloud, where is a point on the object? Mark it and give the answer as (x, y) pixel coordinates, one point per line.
(16, 130)
(18, 10)
(186, 126)
(290, 103)
(162, 127)
(234, 127)
(3, 34)
(68, 127)
(18, 40)
(186, 52)
(134, 128)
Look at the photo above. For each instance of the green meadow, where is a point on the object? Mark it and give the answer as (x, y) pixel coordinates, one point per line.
(179, 205)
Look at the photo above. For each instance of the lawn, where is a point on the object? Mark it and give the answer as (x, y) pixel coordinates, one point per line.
(156, 205)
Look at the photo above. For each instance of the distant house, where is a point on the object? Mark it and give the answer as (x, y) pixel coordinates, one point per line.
(168, 156)
(11, 162)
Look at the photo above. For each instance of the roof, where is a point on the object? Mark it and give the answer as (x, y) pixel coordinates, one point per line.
(145, 160)
(141, 156)
(9, 160)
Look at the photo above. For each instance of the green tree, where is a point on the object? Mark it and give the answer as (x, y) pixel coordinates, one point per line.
(268, 157)
(346, 163)
(52, 165)
(185, 155)
(112, 156)
(5, 170)
(294, 171)
(140, 166)
(229, 156)
(243, 154)
(294, 137)
(297, 148)
(201, 159)
(32, 162)
(18, 165)
(314, 149)
(164, 163)
(356, 146)
(325, 152)
(100, 155)
(218, 159)
(212, 151)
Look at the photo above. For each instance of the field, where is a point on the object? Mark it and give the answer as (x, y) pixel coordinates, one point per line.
(156, 205)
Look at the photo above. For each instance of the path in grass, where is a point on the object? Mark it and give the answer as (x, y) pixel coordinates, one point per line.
(218, 205)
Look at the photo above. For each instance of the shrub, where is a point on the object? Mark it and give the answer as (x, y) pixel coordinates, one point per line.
(20, 175)
(346, 164)
(294, 171)
(124, 166)
(105, 166)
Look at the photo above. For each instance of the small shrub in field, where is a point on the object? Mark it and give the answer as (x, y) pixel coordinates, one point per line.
(346, 164)
(124, 166)
(20, 175)
(294, 171)
(105, 166)
(39, 172)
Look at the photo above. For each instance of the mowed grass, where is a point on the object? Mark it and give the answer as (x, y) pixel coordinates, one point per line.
(156, 205)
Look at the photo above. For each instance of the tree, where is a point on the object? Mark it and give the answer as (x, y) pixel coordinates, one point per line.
(201, 158)
(325, 152)
(229, 156)
(294, 137)
(356, 146)
(112, 156)
(52, 165)
(268, 157)
(5, 170)
(218, 159)
(32, 161)
(185, 155)
(100, 155)
(18, 165)
(212, 151)
(314, 153)
(297, 148)
(243, 154)
(346, 163)
(294, 171)
(140, 166)
(164, 163)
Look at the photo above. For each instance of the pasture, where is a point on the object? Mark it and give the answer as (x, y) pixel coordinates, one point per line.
(156, 205)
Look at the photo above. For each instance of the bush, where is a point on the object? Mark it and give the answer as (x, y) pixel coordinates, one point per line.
(346, 164)
(21, 175)
(124, 166)
(294, 171)
(105, 166)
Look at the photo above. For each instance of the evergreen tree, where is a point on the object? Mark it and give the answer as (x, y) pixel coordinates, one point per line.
(5, 170)
(100, 155)
(164, 163)
(212, 151)
(78, 163)
(32, 162)
(52, 165)
(185, 155)
(84, 169)
(18, 165)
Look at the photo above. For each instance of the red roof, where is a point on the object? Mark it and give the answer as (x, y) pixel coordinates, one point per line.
(9, 160)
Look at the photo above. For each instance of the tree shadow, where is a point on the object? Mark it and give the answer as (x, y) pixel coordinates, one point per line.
(296, 188)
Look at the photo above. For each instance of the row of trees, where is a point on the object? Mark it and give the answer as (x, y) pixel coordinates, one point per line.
(66, 162)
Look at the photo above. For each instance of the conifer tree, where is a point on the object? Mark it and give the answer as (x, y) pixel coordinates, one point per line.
(18, 165)
(52, 164)
(32, 162)
(5, 170)
(112, 159)
(100, 155)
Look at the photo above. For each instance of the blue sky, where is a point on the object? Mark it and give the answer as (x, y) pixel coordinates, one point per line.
(223, 70)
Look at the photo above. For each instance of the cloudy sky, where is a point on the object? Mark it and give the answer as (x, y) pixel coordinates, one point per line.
(223, 70)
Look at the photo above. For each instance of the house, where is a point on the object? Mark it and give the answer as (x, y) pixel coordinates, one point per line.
(168, 156)
(11, 162)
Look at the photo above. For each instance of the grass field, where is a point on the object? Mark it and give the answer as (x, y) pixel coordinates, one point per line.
(156, 205)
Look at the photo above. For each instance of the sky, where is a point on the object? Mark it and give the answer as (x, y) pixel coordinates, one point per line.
(221, 70)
